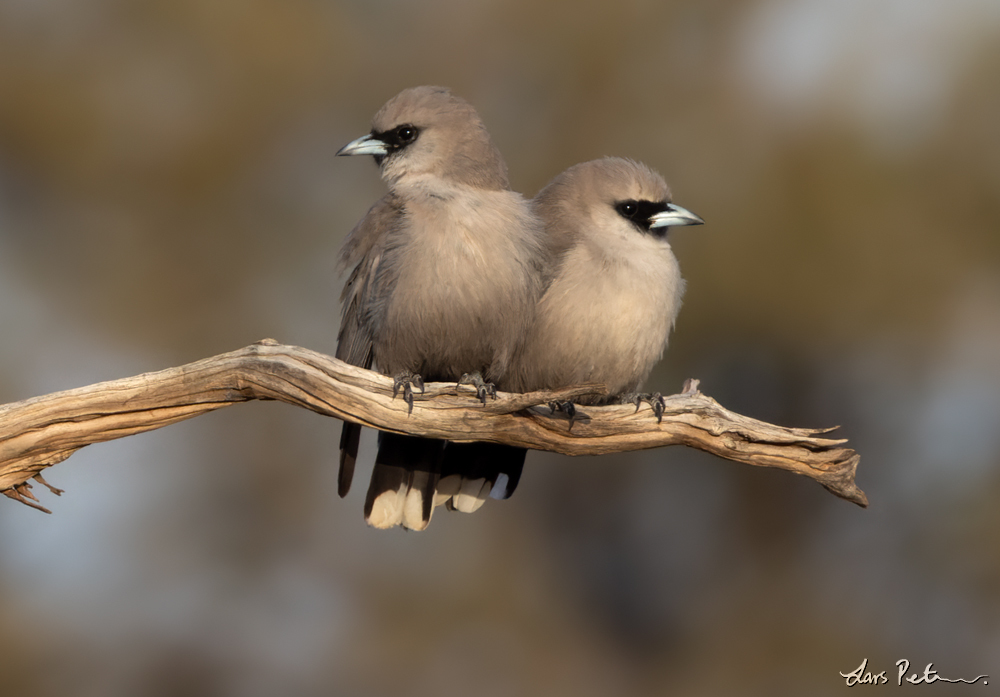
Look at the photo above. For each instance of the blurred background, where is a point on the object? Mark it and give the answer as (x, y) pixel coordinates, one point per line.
(169, 191)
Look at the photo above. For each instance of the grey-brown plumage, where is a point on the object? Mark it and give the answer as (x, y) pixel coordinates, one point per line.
(613, 292)
(445, 275)
(616, 287)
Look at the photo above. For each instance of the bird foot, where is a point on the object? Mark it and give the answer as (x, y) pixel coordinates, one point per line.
(407, 381)
(653, 399)
(568, 408)
(483, 389)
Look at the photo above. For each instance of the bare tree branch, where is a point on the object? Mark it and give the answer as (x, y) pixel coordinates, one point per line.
(43, 431)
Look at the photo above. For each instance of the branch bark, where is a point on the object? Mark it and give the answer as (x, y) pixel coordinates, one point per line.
(39, 432)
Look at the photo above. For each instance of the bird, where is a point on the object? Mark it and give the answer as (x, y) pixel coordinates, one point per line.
(615, 286)
(445, 273)
(613, 289)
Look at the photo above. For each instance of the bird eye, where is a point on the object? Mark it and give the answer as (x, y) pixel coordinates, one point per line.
(627, 209)
(406, 134)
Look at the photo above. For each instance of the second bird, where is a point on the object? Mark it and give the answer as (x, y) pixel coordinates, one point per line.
(616, 288)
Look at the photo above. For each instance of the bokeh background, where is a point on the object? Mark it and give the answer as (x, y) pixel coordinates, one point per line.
(169, 191)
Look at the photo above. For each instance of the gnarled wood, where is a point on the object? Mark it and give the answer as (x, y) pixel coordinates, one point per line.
(40, 432)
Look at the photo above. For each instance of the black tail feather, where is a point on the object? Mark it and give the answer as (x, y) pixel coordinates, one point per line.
(486, 461)
(350, 437)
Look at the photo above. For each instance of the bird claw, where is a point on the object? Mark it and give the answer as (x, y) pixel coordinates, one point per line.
(568, 408)
(483, 389)
(407, 381)
(654, 400)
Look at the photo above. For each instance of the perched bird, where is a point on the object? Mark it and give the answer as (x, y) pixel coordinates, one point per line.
(613, 291)
(615, 287)
(445, 276)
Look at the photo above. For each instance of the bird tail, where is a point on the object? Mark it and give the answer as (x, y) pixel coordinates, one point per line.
(350, 437)
(471, 472)
(404, 480)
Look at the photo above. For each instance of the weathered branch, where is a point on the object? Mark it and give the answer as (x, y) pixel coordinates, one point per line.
(43, 431)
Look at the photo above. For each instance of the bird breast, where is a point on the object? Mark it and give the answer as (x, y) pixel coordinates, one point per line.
(605, 318)
(468, 256)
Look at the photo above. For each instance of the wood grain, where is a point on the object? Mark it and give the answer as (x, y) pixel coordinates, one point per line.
(39, 432)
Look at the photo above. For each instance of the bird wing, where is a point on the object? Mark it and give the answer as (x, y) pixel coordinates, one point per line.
(362, 251)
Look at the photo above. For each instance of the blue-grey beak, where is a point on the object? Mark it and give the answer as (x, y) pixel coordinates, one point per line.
(365, 145)
(674, 216)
